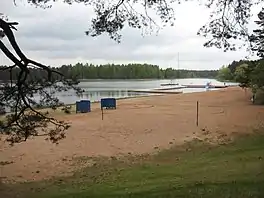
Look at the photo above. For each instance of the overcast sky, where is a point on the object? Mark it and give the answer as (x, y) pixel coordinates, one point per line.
(56, 36)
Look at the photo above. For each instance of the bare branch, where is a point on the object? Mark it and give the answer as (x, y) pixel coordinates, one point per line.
(26, 120)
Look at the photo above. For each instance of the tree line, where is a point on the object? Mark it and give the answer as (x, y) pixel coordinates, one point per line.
(114, 71)
(249, 73)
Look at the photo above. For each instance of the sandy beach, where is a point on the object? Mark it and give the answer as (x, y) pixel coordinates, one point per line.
(137, 126)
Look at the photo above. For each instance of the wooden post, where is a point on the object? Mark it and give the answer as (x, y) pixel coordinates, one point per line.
(102, 113)
(197, 113)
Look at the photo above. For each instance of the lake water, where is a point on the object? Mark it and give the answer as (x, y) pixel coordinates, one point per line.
(94, 90)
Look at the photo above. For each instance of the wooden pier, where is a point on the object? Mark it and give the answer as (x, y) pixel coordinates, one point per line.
(170, 88)
(203, 86)
(169, 84)
(156, 91)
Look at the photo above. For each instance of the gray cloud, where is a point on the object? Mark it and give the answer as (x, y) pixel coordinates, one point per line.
(56, 36)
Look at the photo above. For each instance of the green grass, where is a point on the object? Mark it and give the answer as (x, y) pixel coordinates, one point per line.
(196, 169)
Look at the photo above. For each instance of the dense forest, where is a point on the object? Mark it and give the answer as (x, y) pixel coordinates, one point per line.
(114, 71)
(232, 72)
(249, 73)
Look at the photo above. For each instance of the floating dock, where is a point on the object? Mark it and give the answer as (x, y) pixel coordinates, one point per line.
(170, 88)
(169, 84)
(203, 86)
(156, 91)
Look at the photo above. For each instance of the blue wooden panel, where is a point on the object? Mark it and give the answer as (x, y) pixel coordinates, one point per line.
(108, 103)
(83, 106)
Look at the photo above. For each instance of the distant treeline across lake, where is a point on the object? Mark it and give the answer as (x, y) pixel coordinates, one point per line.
(115, 71)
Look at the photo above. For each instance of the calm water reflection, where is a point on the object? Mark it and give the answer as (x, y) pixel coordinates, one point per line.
(94, 90)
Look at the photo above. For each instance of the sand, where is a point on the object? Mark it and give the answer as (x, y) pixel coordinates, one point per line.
(137, 126)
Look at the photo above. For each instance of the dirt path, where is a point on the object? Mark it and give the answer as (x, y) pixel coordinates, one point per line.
(137, 126)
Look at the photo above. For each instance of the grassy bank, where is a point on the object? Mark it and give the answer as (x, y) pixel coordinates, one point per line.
(195, 169)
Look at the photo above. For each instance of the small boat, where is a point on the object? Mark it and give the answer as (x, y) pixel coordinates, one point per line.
(169, 84)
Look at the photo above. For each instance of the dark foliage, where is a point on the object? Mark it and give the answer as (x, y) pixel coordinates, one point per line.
(228, 23)
(228, 20)
(250, 63)
(252, 72)
(113, 71)
(253, 75)
(18, 94)
(257, 39)
(112, 16)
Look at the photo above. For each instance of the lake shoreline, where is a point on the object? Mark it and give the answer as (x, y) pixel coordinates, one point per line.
(73, 105)
(138, 126)
(143, 96)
